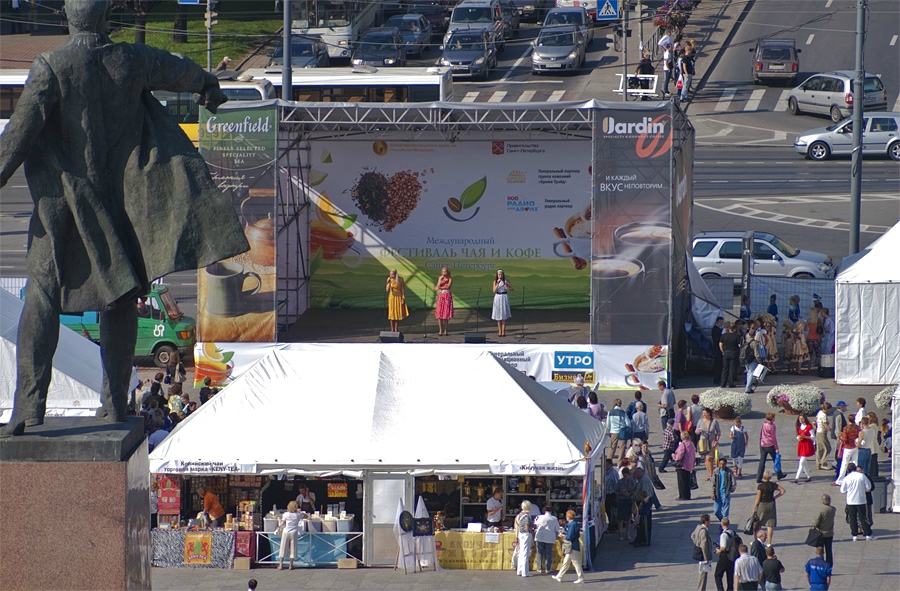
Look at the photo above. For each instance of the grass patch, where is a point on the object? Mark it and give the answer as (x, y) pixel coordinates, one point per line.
(243, 25)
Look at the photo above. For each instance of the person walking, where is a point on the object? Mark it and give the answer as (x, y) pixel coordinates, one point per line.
(640, 423)
(747, 570)
(837, 422)
(571, 549)
(824, 523)
(644, 487)
(850, 452)
(725, 551)
(805, 447)
(684, 459)
(669, 444)
(818, 572)
(666, 404)
(865, 443)
(855, 485)
(716, 336)
(723, 485)
(524, 538)
(668, 60)
(767, 493)
(700, 538)
(768, 445)
(823, 446)
(772, 569)
(729, 345)
(708, 435)
(740, 438)
(619, 429)
(545, 532)
(750, 356)
(687, 73)
(758, 547)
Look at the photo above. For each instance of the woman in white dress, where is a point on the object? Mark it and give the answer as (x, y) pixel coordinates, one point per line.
(501, 311)
(524, 538)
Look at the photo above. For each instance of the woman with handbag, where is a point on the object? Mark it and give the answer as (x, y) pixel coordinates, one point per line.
(708, 434)
(767, 492)
(571, 549)
(824, 524)
(524, 538)
(685, 455)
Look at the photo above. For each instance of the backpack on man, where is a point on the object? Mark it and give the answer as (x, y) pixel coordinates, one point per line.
(734, 543)
(747, 355)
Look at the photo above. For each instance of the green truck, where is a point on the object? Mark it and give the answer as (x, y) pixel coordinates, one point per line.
(162, 327)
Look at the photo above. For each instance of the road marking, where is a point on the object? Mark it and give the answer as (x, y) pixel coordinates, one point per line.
(828, 4)
(810, 38)
(782, 103)
(526, 96)
(724, 162)
(894, 40)
(470, 97)
(517, 64)
(497, 97)
(556, 96)
(755, 98)
(750, 212)
(724, 101)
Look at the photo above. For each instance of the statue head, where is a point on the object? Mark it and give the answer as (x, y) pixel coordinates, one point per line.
(88, 16)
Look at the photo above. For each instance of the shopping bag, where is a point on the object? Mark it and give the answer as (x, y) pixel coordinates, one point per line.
(760, 372)
(679, 85)
(814, 537)
(777, 463)
(750, 526)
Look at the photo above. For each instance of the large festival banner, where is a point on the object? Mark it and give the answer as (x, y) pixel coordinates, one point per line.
(632, 232)
(475, 206)
(236, 297)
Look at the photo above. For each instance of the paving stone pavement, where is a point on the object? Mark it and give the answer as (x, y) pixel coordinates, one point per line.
(666, 565)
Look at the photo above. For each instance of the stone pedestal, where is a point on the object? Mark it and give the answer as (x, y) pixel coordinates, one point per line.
(75, 506)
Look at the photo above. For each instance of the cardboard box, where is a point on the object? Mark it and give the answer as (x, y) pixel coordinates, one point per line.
(242, 563)
(347, 563)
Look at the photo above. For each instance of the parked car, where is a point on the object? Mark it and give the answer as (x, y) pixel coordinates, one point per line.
(478, 15)
(306, 52)
(881, 135)
(381, 46)
(718, 254)
(572, 15)
(435, 11)
(416, 32)
(470, 53)
(557, 48)
(831, 93)
(775, 60)
(511, 19)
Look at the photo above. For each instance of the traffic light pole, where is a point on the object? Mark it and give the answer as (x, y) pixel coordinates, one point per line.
(209, 65)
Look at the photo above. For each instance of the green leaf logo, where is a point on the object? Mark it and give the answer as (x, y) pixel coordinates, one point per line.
(473, 193)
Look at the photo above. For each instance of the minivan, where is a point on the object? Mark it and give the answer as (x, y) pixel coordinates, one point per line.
(775, 60)
(880, 136)
(478, 15)
(831, 93)
(719, 254)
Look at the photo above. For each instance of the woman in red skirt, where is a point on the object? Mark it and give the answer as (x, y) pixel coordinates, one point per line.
(805, 448)
(443, 307)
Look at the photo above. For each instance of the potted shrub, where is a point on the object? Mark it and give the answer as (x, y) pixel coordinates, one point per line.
(726, 404)
(805, 398)
(883, 398)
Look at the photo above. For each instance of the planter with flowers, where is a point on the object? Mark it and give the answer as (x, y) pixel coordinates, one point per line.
(726, 404)
(883, 398)
(793, 400)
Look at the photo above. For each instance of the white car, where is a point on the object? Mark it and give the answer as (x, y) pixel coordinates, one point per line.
(881, 136)
(718, 254)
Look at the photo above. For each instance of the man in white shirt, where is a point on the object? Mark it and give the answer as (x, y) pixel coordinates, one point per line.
(668, 67)
(823, 446)
(546, 530)
(495, 509)
(855, 486)
(747, 571)
(306, 500)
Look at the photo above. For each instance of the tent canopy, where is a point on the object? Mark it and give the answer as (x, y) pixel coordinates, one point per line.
(77, 373)
(387, 407)
(867, 318)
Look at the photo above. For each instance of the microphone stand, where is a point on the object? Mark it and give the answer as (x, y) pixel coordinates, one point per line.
(522, 335)
(425, 316)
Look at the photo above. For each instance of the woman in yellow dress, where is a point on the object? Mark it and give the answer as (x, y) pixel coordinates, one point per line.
(396, 290)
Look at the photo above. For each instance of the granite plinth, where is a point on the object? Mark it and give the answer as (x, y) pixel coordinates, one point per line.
(75, 506)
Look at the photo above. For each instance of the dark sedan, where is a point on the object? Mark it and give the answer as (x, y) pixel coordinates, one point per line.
(382, 46)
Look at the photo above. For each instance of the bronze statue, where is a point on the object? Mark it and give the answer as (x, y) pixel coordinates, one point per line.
(121, 197)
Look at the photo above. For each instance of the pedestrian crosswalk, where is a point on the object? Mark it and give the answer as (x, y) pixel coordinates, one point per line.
(515, 96)
(749, 99)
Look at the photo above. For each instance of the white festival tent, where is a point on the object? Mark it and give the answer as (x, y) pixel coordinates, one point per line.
(410, 407)
(77, 373)
(867, 319)
(384, 413)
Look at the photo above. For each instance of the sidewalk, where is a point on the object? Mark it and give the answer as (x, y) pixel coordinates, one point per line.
(666, 564)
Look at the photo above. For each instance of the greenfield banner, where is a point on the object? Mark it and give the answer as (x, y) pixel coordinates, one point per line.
(474, 206)
(236, 297)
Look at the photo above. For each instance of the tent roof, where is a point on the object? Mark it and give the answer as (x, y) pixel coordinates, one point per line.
(77, 373)
(385, 407)
(879, 265)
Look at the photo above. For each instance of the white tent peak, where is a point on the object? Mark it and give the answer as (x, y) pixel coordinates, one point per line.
(879, 264)
(389, 407)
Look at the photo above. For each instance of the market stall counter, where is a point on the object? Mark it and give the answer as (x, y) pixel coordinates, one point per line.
(183, 548)
(461, 549)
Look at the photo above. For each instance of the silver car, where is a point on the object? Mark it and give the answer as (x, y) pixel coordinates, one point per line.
(718, 254)
(572, 15)
(881, 135)
(557, 48)
(831, 93)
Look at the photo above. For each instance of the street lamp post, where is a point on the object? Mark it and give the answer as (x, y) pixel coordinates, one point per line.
(859, 95)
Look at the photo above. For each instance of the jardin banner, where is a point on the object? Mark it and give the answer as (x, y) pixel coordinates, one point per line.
(236, 297)
(473, 206)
